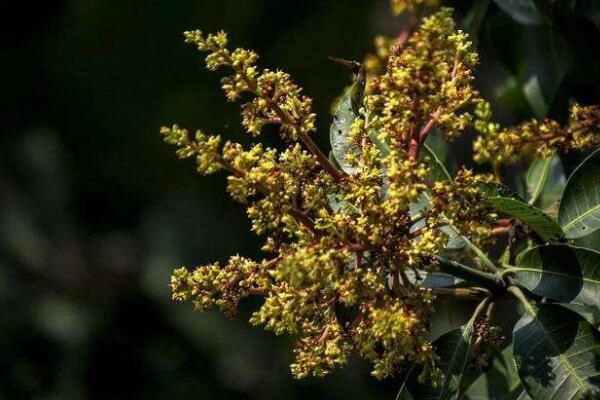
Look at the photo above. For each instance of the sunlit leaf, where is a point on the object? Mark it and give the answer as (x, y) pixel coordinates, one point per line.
(504, 200)
(339, 131)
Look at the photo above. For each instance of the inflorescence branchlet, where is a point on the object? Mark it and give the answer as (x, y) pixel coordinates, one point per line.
(345, 248)
(501, 145)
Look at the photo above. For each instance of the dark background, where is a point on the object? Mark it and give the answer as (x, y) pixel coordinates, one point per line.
(95, 211)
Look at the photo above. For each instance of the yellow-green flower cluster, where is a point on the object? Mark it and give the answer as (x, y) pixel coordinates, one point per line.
(427, 82)
(278, 100)
(341, 241)
(499, 145)
(204, 147)
(392, 331)
(222, 287)
(399, 6)
(375, 63)
(463, 205)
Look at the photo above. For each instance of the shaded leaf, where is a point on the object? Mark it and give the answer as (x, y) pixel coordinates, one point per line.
(557, 354)
(546, 59)
(449, 315)
(523, 11)
(454, 349)
(500, 382)
(589, 242)
(590, 313)
(564, 273)
(579, 213)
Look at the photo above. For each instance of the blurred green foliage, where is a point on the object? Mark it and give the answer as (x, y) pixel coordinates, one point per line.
(95, 211)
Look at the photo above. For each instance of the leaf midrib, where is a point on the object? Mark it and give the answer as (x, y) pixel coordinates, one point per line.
(579, 218)
(541, 271)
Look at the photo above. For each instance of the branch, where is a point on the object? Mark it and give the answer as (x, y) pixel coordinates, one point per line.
(486, 280)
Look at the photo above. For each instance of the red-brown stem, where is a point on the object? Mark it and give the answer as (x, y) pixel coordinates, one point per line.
(321, 158)
(323, 337)
(413, 148)
(500, 230)
(429, 126)
(418, 139)
(355, 322)
(301, 217)
(405, 33)
(405, 279)
(395, 282)
(505, 221)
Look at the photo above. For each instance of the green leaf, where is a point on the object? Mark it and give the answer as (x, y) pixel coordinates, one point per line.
(340, 129)
(532, 89)
(500, 382)
(454, 349)
(561, 272)
(450, 314)
(579, 212)
(512, 205)
(589, 313)
(474, 17)
(493, 189)
(536, 177)
(338, 205)
(523, 11)
(438, 169)
(433, 279)
(439, 145)
(556, 354)
(589, 242)
(546, 60)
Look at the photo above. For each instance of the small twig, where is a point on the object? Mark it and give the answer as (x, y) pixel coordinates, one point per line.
(464, 293)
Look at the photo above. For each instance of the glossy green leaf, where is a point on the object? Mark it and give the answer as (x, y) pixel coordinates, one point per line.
(450, 314)
(537, 176)
(546, 59)
(564, 273)
(493, 189)
(591, 241)
(340, 129)
(512, 205)
(579, 213)
(590, 313)
(557, 354)
(433, 279)
(523, 11)
(454, 349)
(438, 169)
(500, 382)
